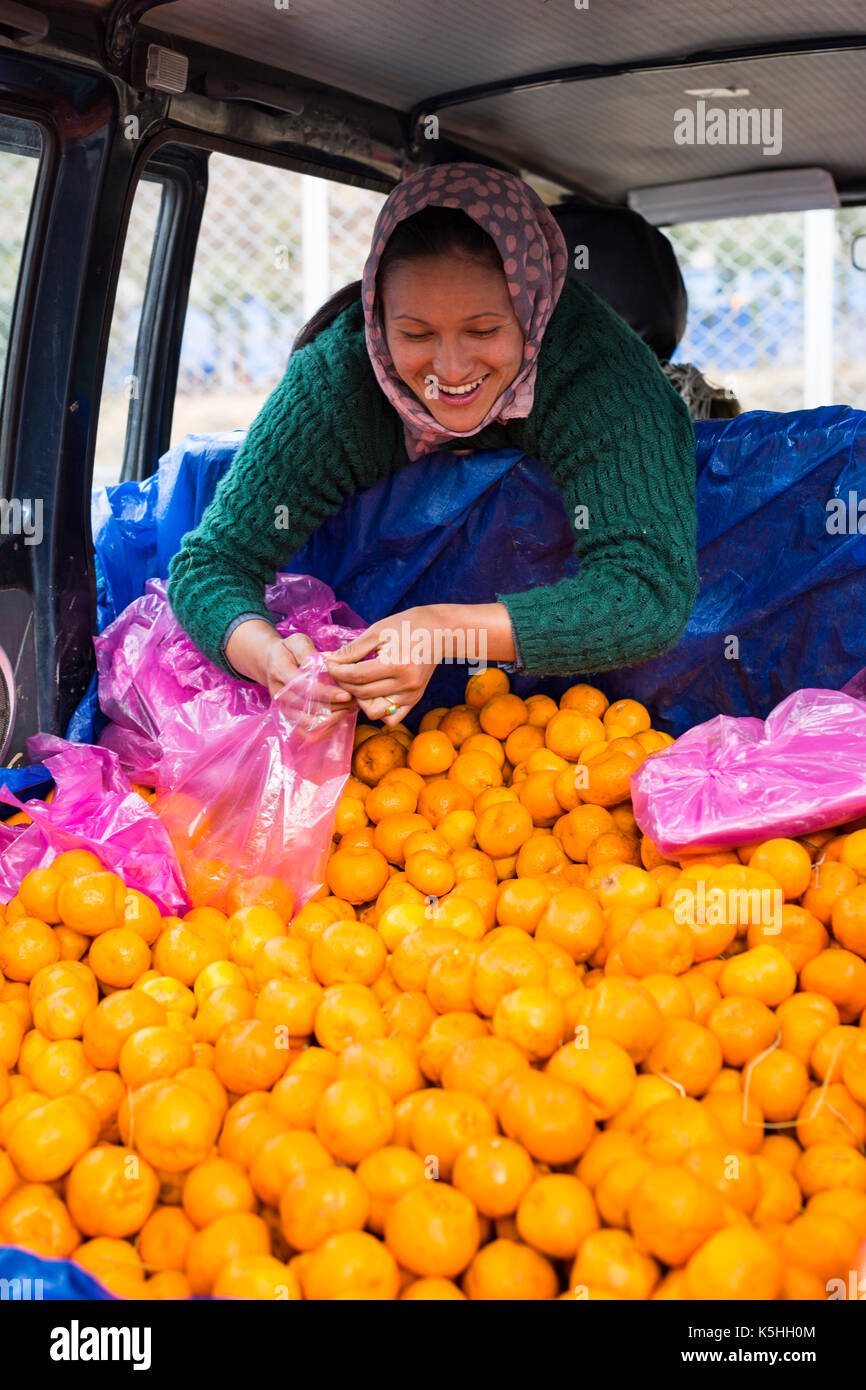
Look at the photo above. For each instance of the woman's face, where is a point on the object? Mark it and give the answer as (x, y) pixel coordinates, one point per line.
(452, 334)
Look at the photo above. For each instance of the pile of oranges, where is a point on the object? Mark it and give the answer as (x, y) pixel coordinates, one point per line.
(492, 1058)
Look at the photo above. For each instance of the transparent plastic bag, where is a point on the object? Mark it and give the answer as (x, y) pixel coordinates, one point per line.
(247, 786)
(161, 695)
(734, 781)
(94, 807)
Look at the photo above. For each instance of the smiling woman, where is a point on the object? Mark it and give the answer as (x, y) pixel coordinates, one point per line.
(464, 330)
(461, 362)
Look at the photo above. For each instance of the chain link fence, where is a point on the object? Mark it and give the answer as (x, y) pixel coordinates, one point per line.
(746, 281)
(273, 246)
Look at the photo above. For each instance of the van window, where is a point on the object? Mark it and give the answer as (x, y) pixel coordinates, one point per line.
(20, 151)
(119, 386)
(776, 307)
(273, 246)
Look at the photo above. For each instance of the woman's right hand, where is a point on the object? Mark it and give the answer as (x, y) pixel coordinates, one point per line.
(317, 706)
(257, 651)
(283, 657)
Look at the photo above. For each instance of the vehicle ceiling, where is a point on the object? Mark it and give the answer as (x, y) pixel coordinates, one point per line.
(605, 135)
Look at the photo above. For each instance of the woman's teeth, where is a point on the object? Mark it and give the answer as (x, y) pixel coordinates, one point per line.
(460, 390)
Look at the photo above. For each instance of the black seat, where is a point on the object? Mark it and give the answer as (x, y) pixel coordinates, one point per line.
(632, 265)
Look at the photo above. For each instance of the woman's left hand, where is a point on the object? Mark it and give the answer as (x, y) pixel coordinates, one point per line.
(387, 687)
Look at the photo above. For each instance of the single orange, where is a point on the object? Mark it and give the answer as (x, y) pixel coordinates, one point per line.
(26, 945)
(111, 1192)
(51, 1136)
(377, 755)
(390, 798)
(485, 685)
(432, 1290)
(92, 903)
(357, 875)
(829, 881)
(570, 731)
(668, 1130)
(38, 891)
(225, 1240)
(522, 742)
(672, 1213)
(779, 1082)
(735, 1263)
(502, 714)
(440, 797)
(830, 1115)
(354, 1117)
(386, 1175)
(173, 1123)
(433, 1230)
(459, 724)
(348, 1013)
(624, 1011)
(840, 975)
(476, 772)
(688, 1054)
(495, 1173)
(788, 862)
(609, 771)
(248, 1056)
(163, 1242)
(432, 753)
(34, 1217)
(431, 719)
(585, 698)
(628, 715)
(503, 828)
(848, 919)
(214, 1188)
(600, 1068)
(549, 1117)
(508, 1269)
(348, 952)
(321, 1203)
(612, 1261)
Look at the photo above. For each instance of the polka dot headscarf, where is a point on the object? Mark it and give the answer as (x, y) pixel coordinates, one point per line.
(534, 259)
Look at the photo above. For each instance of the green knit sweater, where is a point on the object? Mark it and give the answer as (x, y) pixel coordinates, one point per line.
(614, 436)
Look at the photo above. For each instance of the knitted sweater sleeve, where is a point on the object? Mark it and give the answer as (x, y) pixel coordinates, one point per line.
(619, 443)
(323, 433)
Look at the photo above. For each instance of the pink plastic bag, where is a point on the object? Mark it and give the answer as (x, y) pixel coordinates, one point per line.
(734, 781)
(248, 786)
(94, 807)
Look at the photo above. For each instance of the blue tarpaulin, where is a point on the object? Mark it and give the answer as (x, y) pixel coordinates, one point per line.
(781, 605)
(33, 1278)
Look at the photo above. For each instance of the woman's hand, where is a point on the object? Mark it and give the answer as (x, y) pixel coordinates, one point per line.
(409, 646)
(283, 658)
(407, 653)
(258, 652)
(316, 706)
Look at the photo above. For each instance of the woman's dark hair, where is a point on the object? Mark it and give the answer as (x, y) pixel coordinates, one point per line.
(433, 231)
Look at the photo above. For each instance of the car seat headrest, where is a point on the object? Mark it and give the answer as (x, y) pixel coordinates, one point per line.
(632, 265)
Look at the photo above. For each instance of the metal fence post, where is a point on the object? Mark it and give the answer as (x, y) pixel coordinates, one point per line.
(819, 245)
(315, 244)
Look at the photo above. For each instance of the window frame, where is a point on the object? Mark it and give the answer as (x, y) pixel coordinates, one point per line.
(26, 287)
